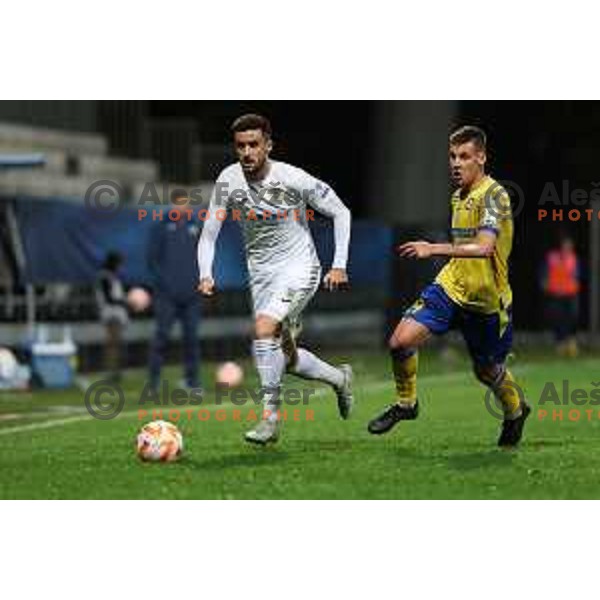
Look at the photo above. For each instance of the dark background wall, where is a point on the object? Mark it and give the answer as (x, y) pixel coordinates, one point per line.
(386, 159)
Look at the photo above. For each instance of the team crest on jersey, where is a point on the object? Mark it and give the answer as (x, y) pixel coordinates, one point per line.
(278, 196)
(468, 204)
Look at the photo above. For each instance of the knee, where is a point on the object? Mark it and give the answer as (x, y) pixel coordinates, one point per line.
(490, 375)
(266, 327)
(400, 342)
(402, 354)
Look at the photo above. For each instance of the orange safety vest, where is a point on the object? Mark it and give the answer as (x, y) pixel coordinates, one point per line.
(562, 273)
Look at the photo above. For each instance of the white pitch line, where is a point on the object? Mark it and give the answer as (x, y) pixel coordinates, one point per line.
(44, 425)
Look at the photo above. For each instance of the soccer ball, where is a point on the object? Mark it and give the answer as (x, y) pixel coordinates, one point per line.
(159, 441)
(138, 299)
(8, 364)
(229, 374)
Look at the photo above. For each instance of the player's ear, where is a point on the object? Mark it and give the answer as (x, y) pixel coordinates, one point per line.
(269, 145)
(481, 158)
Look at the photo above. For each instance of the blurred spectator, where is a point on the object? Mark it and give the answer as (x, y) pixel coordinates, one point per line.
(112, 306)
(561, 285)
(8, 261)
(172, 264)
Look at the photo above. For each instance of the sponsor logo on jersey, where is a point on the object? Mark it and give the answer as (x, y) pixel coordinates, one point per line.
(463, 232)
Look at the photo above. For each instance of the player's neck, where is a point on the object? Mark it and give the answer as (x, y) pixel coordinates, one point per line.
(469, 188)
(261, 173)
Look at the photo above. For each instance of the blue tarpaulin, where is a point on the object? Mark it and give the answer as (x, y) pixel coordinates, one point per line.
(65, 242)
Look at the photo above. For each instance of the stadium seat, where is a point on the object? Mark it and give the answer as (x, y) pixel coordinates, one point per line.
(23, 137)
(56, 160)
(119, 169)
(42, 184)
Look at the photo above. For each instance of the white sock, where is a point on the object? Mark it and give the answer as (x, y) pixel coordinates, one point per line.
(310, 366)
(270, 364)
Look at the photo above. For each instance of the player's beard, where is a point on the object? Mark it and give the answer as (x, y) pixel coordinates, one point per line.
(254, 170)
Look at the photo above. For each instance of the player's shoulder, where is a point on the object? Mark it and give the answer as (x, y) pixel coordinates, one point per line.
(231, 172)
(492, 188)
(495, 201)
(281, 170)
(488, 192)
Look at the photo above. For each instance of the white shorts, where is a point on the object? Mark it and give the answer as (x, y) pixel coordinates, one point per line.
(284, 296)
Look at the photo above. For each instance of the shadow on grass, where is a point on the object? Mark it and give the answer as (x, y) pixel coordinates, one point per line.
(465, 461)
(482, 460)
(325, 446)
(541, 443)
(254, 457)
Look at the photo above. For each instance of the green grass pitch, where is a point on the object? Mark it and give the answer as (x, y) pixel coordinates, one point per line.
(51, 448)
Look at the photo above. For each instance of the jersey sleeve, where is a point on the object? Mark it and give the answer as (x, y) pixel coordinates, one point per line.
(219, 202)
(321, 197)
(496, 208)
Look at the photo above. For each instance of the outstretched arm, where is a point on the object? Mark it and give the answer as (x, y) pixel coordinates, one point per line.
(482, 247)
(326, 201)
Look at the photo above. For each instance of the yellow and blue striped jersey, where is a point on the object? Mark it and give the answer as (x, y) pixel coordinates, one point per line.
(480, 284)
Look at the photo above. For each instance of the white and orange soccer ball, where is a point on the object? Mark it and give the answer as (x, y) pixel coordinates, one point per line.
(159, 441)
(138, 299)
(229, 374)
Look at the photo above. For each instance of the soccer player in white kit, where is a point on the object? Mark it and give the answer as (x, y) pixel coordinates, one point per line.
(273, 202)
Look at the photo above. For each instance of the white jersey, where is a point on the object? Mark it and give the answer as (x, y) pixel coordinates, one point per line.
(274, 215)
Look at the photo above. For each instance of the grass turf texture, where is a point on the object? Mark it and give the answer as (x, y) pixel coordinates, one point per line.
(52, 449)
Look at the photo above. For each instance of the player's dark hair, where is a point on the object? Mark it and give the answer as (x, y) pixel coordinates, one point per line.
(469, 133)
(252, 121)
(113, 261)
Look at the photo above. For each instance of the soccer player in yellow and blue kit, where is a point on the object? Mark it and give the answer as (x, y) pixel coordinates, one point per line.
(471, 293)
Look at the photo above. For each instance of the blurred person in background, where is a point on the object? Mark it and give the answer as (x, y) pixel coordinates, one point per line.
(561, 282)
(112, 307)
(171, 259)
